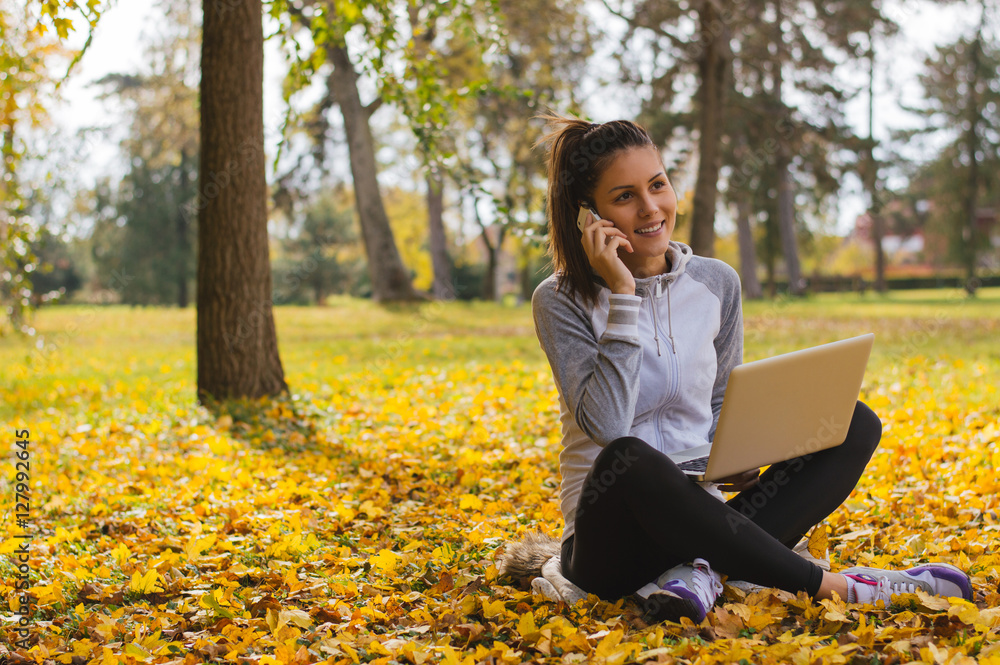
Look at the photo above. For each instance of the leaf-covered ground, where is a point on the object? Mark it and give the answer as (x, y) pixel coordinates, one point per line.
(359, 519)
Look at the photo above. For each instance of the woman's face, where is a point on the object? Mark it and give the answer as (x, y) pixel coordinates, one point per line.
(635, 194)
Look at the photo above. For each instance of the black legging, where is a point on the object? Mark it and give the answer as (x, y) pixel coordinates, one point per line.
(639, 515)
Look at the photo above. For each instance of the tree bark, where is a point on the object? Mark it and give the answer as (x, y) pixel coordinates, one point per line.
(492, 253)
(786, 194)
(871, 176)
(443, 287)
(712, 66)
(390, 278)
(786, 222)
(236, 340)
(183, 243)
(748, 252)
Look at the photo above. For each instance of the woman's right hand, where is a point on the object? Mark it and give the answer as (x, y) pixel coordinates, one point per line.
(601, 241)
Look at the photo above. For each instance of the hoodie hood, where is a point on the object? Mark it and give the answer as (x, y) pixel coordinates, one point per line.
(678, 254)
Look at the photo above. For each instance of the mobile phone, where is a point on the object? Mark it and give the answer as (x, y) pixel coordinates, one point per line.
(581, 219)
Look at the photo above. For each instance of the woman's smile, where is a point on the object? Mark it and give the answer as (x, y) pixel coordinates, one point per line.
(652, 229)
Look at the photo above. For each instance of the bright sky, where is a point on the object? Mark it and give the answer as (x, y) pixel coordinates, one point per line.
(117, 47)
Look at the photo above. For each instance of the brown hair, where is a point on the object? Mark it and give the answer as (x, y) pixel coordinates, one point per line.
(578, 153)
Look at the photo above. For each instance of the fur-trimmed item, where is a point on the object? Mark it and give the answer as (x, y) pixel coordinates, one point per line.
(554, 586)
(524, 559)
(537, 558)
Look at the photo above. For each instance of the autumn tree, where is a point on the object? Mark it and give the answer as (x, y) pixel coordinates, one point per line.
(388, 45)
(236, 339)
(962, 101)
(156, 199)
(684, 42)
(498, 171)
(25, 59)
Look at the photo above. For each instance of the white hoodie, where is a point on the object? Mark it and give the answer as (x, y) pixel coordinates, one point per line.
(653, 365)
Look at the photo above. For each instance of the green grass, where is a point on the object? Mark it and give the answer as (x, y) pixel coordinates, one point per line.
(81, 353)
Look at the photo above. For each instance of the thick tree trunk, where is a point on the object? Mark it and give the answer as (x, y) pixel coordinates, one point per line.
(443, 287)
(236, 340)
(712, 67)
(390, 278)
(748, 252)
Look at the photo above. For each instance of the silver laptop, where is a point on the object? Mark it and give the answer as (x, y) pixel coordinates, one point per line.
(782, 407)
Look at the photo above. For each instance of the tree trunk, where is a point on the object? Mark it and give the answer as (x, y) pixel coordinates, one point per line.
(770, 259)
(786, 194)
(236, 340)
(871, 176)
(972, 144)
(490, 281)
(748, 252)
(712, 67)
(183, 243)
(390, 278)
(786, 222)
(443, 287)
(878, 234)
(319, 290)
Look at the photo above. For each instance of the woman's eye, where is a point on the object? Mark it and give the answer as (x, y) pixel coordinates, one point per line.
(659, 184)
(624, 197)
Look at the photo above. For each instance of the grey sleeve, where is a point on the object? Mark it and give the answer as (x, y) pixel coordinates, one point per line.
(598, 379)
(724, 282)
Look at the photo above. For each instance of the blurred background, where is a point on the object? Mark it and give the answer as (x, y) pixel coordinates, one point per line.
(814, 146)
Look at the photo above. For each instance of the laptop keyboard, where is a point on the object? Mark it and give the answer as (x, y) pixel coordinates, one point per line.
(698, 464)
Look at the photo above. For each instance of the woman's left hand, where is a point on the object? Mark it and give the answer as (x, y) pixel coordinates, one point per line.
(739, 482)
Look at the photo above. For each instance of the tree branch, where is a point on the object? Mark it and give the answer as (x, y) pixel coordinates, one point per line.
(373, 106)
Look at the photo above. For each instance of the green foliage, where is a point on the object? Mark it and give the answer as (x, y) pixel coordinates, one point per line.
(26, 57)
(321, 255)
(152, 237)
(57, 273)
(961, 84)
(24, 62)
(145, 230)
(402, 58)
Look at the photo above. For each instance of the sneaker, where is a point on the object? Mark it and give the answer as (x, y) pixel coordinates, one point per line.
(936, 579)
(684, 591)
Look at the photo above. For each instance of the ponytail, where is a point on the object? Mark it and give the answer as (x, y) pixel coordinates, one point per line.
(578, 153)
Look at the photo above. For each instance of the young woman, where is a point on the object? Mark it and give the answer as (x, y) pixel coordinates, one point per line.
(641, 336)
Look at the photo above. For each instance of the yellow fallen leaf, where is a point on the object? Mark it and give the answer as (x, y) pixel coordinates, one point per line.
(470, 502)
(819, 542)
(385, 560)
(147, 583)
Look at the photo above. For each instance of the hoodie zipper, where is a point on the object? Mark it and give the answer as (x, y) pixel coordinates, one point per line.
(673, 386)
(670, 321)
